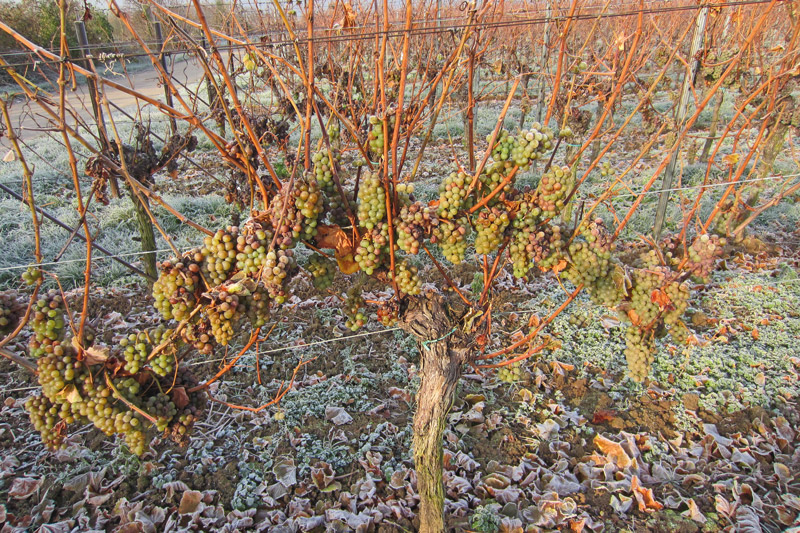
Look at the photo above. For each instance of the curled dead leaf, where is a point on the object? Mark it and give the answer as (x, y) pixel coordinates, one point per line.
(614, 451)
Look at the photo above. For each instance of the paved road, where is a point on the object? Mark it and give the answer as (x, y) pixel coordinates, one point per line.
(30, 121)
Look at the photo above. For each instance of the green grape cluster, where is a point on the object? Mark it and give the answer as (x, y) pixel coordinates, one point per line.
(639, 350)
(522, 249)
(527, 146)
(160, 407)
(371, 200)
(322, 270)
(492, 177)
(645, 281)
(451, 236)
(31, 275)
(414, 222)
(277, 268)
(407, 278)
(256, 304)
(679, 332)
(388, 313)
(490, 225)
(353, 310)
(405, 194)
(553, 189)
(703, 254)
(678, 294)
(375, 137)
(294, 212)
(251, 249)
(654, 258)
(334, 132)
(605, 169)
(591, 264)
(223, 314)
(370, 252)
(44, 416)
(48, 322)
(136, 347)
(511, 373)
(219, 255)
(453, 194)
(179, 284)
(11, 310)
(324, 160)
(308, 202)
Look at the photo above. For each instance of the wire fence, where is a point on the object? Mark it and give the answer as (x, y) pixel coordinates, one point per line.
(423, 30)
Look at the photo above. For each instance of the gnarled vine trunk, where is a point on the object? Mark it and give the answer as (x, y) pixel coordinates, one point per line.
(444, 349)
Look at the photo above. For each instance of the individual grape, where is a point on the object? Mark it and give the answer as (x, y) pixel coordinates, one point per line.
(490, 225)
(407, 278)
(371, 201)
(452, 238)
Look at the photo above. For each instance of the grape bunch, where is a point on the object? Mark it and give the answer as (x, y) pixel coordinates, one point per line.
(223, 313)
(414, 222)
(178, 286)
(703, 255)
(453, 194)
(680, 332)
(527, 146)
(279, 265)
(553, 189)
(308, 202)
(136, 347)
(591, 264)
(324, 160)
(219, 255)
(371, 200)
(511, 373)
(251, 249)
(11, 310)
(370, 252)
(375, 137)
(388, 313)
(44, 416)
(48, 323)
(606, 170)
(407, 278)
(322, 271)
(256, 304)
(353, 310)
(334, 132)
(639, 350)
(678, 294)
(645, 309)
(31, 276)
(451, 235)
(490, 225)
(494, 175)
(294, 211)
(405, 194)
(198, 335)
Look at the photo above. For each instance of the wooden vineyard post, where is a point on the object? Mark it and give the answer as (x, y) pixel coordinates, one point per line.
(683, 105)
